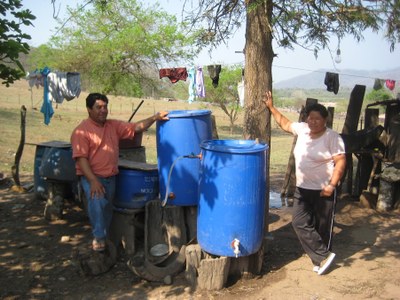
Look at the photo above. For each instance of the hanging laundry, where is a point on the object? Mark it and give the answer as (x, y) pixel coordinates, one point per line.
(390, 84)
(200, 89)
(46, 108)
(192, 84)
(332, 82)
(35, 78)
(63, 85)
(213, 71)
(378, 84)
(240, 89)
(174, 74)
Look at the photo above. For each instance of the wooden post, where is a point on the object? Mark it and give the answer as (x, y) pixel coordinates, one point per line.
(18, 154)
(331, 113)
(350, 126)
(371, 119)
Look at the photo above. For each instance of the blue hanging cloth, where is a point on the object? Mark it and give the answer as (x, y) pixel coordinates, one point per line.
(47, 108)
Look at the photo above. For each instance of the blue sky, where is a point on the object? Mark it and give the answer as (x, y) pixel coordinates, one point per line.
(371, 54)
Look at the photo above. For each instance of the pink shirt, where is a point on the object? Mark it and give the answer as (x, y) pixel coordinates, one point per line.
(314, 157)
(100, 144)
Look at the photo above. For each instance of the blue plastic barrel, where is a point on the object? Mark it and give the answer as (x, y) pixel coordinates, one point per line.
(181, 136)
(39, 182)
(232, 195)
(135, 187)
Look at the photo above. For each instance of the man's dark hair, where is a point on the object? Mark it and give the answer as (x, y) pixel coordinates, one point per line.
(91, 99)
(318, 108)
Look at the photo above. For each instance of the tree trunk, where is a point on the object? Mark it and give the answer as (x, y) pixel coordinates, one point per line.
(258, 78)
(258, 70)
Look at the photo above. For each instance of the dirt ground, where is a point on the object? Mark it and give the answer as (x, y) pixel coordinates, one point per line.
(36, 258)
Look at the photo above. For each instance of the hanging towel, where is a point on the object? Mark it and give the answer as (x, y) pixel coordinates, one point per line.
(378, 84)
(63, 85)
(390, 84)
(192, 84)
(46, 108)
(332, 82)
(174, 74)
(240, 89)
(213, 71)
(200, 89)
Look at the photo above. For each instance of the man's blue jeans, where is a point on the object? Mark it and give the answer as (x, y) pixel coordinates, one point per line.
(100, 210)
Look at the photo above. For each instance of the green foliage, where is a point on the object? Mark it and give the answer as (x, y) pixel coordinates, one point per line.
(118, 45)
(225, 95)
(12, 39)
(310, 24)
(43, 56)
(378, 95)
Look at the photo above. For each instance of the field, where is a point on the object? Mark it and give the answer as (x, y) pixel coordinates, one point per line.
(68, 115)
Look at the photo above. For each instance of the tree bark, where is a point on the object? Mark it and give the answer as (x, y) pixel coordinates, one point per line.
(258, 78)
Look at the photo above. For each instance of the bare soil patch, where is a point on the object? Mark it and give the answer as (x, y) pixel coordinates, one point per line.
(37, 258)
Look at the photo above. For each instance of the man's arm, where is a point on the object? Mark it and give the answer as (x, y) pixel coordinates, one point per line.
(146, 123)
(96, 187)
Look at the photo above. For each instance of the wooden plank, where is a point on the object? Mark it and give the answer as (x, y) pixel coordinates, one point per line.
(350, 126)
(135, 165)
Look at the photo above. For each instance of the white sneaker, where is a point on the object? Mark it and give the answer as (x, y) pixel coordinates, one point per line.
(326, 263)
(315, 269)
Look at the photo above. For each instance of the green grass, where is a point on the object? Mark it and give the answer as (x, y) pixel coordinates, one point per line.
(68, 115)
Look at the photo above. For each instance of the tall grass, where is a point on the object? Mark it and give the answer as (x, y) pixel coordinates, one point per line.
(69, 114)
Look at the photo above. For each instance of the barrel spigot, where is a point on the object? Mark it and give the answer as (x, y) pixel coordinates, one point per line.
(235, 246)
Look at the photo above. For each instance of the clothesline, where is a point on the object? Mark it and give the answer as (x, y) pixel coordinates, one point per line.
(323, 72)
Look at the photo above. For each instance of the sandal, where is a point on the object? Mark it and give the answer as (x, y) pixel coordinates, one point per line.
(98, 245)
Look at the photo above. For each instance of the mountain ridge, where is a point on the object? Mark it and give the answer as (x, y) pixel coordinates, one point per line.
(347, 78)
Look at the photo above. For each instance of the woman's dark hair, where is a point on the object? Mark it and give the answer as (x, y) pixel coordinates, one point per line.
(318, 108)
(91, 99)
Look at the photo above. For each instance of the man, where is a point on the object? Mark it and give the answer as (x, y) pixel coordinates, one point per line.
(95, 146)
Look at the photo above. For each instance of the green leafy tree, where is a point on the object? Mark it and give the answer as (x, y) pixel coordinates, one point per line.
(225, 95)
(42, 56)
(119, 45)
(308, 23)
(378, 95)
(12, 39)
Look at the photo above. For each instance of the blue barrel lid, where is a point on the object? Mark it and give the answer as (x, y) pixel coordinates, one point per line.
(188, 113)
(234, 146)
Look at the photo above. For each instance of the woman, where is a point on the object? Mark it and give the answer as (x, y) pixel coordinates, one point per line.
(320, 163)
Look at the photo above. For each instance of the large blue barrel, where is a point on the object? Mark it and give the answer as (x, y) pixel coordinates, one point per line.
(39, 182)
(135, 187)
(181, 136)
(232, 195)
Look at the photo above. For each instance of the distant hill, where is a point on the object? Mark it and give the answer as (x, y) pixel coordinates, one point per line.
(347, 78)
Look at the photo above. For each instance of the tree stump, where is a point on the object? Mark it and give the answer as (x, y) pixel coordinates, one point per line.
(388, 178)
(164, 228)
(92, 263)
(213, 273)
(123, 230)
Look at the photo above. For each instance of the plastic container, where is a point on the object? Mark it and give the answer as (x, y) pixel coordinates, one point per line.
(181, 136)
(39, 182)
(232, 195)
(135, 187)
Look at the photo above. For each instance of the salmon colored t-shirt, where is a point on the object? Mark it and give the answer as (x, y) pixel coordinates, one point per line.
(100, 144)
